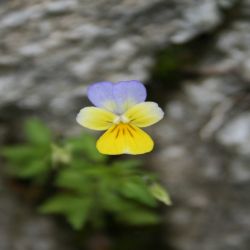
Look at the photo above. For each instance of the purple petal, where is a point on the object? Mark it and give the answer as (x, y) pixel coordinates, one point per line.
(128, 93)
(101, 95)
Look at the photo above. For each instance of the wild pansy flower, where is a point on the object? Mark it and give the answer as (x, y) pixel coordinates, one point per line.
(120, 108)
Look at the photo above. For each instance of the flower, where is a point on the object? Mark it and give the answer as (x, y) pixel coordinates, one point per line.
(120, 108)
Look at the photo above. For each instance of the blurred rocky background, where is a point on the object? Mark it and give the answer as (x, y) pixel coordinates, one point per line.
(194, 57)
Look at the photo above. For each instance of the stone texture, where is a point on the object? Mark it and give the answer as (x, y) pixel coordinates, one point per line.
(236, 134)
(204, 146)
(50, 50)
(21, 228)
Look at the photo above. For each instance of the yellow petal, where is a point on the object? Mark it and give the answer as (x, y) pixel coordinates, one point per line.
(144, 114)
(95, 118)
(124, 139)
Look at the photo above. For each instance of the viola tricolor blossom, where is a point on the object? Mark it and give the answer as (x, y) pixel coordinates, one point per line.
(120, 108)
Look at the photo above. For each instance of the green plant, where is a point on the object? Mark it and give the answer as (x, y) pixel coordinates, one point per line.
(88, 186)
(32, 159)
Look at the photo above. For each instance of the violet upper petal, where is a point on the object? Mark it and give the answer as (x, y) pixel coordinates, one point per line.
(128, 93)
(101, 95)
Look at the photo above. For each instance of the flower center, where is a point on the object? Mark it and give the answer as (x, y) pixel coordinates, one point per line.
(121, 119)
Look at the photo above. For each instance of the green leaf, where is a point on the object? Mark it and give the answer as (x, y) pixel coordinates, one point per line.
(37, 133)
(160, 193)
(33, 169)
(75, 209)
(111, 202)
(139, 216)
(73, 180)
(26, 161)
(85, 144)
(127, 164)
(77, 219)
(19, 153)
(136, 189)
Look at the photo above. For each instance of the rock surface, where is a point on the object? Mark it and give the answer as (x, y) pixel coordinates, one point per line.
(21, 228)
(204, 146)
(50, 51)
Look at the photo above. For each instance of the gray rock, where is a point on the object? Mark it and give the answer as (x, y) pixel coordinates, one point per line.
(236, 134)
(84, 42)
(204, 147)
(203, 16)
(21, 228)
(239, 171)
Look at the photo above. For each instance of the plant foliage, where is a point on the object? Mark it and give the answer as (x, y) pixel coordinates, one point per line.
(88, 186)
